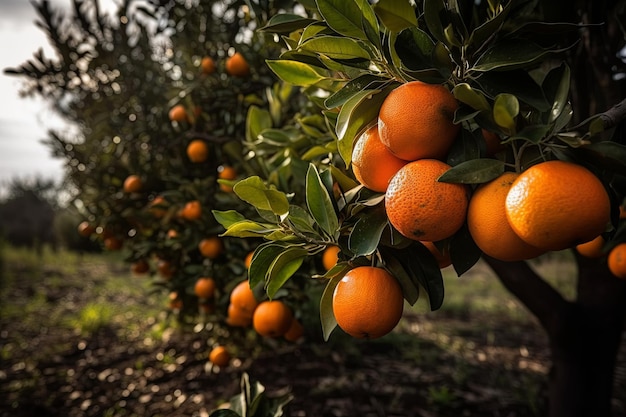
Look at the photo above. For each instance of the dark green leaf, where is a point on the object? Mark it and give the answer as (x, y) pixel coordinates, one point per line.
(474, 171)
(264, 256)
(463, 251)
(556, 86)
(336, 47)
(253, 191)
(470, 96)
(353, 87)
(609, 155)
(319, 203)
(365, 235)
(284, 266)
(410, 286)
(256, 121)
(343, 16)
(465, 148)
(370, 23)
(491, 26)
(524, 88)
(327, 317)
(508, 55)
(396, 15)
(414, 48)
(296, 73)
(286, 23)
(533, 133)
(437, 19)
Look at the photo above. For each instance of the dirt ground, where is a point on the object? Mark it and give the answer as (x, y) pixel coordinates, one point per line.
(446, 364)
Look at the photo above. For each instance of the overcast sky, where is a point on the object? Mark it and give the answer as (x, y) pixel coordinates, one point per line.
(25, 121)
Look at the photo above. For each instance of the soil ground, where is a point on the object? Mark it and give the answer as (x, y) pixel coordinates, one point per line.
(80, 337)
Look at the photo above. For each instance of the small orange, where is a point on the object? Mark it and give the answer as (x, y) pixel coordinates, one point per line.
(237, 65)
(622, 212)
(219, 356)
(207, 65)
(591, 249)
(295, 332)
(156, 206)
(85, 229)
(211, 247)
(140, 267)
(556, 205)
(242, 298)
(272, 318)
(373, 164)
(132, 184)
(225, 172)
(416, 121)
(488, 225)
(248, 260)
(178, 113)
(493, 143)
(197, 151)
(205, 287)
(192, 210)
(165, 268)
(617, 261)
(443, 259)
(422, 208)
(113, 243)
(237, 317)
(172, 234)
(368, 302)
(330, 257)
(175, 302)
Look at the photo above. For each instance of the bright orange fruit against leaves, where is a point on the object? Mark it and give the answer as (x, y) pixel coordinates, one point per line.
(368, 302)
(132, 184)
(617, 261)
(192, 210)
(373, 164)
(211, 247)
(205, 287)
(330, 257)
(219, 356)
(295, 332)
(416, 121)
(591, 249)
(443, 258)
(237, 317)
(248, 260)
(272, 318)
(422, 208)
(556, 205)
(243, 298)
(492, 142)
(85, 229)
(237, 65)
(207, 65)
(488, 225)
(197, 151)
(178, 113)
(225, 172)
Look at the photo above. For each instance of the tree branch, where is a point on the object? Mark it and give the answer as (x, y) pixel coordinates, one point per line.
(614, 115)
(541, 299)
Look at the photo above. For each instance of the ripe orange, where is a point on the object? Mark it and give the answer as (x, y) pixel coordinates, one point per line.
(617, 261)
(156, 206)
(248, 260)
(422, 208)
(443, 259)
(192, 210)
(242, 298)
(556, 205)
(330, 257)
(207, 65)
(132, 184)
(140, 267)
(211, 247)
(492, 142)
(416, 121)
(368, 302)
(205, 287)
(85, 229)
(178, 113)
(295, 332)
(165, 268)
(113, 243)
(197, 151)
(175, 302)
(488, 225)
(237, 317)
(225, 172)
(237, 65)
(373, 164)
(272, 318)
(219, 356)
(172, 234)
(591, 249)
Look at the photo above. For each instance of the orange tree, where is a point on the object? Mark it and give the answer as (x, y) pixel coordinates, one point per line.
(461, 108)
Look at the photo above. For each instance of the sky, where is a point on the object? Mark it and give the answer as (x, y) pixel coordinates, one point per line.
(25, 121)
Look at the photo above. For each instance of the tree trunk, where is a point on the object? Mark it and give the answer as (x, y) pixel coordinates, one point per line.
(584, 335)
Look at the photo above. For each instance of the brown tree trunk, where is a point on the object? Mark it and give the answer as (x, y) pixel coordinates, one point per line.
(584, 334)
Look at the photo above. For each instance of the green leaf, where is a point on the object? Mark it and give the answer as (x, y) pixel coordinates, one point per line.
(370, 23)
(327, 317)
(264, 256)
(284, 266)
(256, 121)
(396, 15)
(414, 48)
(609, 155)
(336, 47)
(491, 26)
(474, 171)
(466, 148)
(296, 73)
(533, 133)
(436, 17)
(511, 54)
(366, 233)
(286, 23)
(410, 286)
(248, 228)
(470, 96)
(342, 16)
(352, 88)
(463, 251)
(556, 85)
(319, 203)
(254, 191)
(228, 217)
(524, 88)
(505, 109)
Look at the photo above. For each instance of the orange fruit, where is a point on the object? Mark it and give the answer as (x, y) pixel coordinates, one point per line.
(272, 318)
(219, 356)
(113, 243)
(192, 210)
(207, 65)
(443, 259)
(140, 267)
(416, 121)
(132, 184)
(178, 113)
(492, 142)
(330, 257)
(368, 302)
(248, 260)
(237, 317)
(617, 261)
(295, 332)
(172, 234)
(165, 268)
(175, 302)
(85, 229)
(205, 287)
(225, 172)
(622, 212)
(591, 249)
(556, 205)
(211, 247)
(156, 206)
(422, 208)
(373, 164)
(197, 151)
(488, 225)
(237, 65)
(242, 298)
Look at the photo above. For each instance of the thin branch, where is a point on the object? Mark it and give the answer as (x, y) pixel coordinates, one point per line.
(614, 115)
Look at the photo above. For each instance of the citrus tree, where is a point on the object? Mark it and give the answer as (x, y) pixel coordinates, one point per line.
(455, 138)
